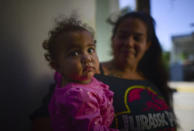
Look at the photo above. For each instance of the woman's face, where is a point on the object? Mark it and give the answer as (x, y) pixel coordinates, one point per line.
(130, 42)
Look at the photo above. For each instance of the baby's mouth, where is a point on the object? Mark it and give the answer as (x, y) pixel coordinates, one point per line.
(88, 69)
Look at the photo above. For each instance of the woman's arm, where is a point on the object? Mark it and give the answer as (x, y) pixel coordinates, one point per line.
(40, 117)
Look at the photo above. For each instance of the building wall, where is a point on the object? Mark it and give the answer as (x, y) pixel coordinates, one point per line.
(25, 75)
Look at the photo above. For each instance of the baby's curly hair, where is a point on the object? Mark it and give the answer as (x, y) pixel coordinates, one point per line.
(65, 25)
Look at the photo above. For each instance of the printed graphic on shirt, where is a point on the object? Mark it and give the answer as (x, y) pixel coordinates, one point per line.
(145, 110)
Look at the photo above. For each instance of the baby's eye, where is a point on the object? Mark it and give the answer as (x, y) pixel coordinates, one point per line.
(74, 53)
(91, 50)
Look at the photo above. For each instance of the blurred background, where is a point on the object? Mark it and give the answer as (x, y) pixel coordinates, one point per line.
(26, 76)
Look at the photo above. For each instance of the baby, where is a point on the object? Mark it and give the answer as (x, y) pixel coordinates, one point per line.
(80, 102)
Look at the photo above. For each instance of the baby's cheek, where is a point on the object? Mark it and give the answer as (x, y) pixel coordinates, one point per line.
(97, 65)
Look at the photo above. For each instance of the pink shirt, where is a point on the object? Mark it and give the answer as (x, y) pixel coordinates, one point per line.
(82, 107)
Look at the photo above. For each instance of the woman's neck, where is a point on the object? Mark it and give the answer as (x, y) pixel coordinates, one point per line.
(119, 66)
(122, 71)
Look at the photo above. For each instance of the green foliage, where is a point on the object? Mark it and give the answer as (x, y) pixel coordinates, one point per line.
(166, 59)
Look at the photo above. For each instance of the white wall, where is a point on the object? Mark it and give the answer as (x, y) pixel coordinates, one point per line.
(104, 8)
(25, 75)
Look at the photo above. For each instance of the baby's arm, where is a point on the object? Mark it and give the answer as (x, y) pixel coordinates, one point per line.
(83, 112)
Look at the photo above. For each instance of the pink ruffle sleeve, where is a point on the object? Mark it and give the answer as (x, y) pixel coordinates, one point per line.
(78, 107)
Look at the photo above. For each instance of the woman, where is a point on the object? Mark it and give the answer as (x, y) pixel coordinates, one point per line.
(136, 74)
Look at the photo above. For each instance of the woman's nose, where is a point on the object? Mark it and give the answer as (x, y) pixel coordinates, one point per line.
(130, 42)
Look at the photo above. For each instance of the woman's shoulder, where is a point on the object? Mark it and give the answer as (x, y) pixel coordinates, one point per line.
(118, 84)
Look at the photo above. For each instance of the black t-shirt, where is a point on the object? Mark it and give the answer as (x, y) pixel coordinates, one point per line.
(138, 106)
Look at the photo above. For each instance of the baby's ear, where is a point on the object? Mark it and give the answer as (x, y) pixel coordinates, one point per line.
(53, 65)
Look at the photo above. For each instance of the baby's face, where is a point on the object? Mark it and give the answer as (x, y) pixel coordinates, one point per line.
(76, 57)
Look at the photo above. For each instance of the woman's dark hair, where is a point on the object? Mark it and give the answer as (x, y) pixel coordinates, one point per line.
(151, 65)
(65, 25)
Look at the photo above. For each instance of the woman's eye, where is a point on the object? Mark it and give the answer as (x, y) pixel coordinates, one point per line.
(122, 36)
(91, 50)
(137, 38)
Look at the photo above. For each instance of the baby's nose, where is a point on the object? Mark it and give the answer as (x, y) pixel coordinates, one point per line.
(86, 58)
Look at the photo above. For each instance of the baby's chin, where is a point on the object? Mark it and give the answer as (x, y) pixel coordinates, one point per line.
(85, 79)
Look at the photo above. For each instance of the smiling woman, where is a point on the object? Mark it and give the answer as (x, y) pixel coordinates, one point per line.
(137, 75)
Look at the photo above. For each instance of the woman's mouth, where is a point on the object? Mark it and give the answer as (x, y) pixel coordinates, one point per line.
(129, 52)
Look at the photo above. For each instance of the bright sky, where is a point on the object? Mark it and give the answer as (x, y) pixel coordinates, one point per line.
(173, 17)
